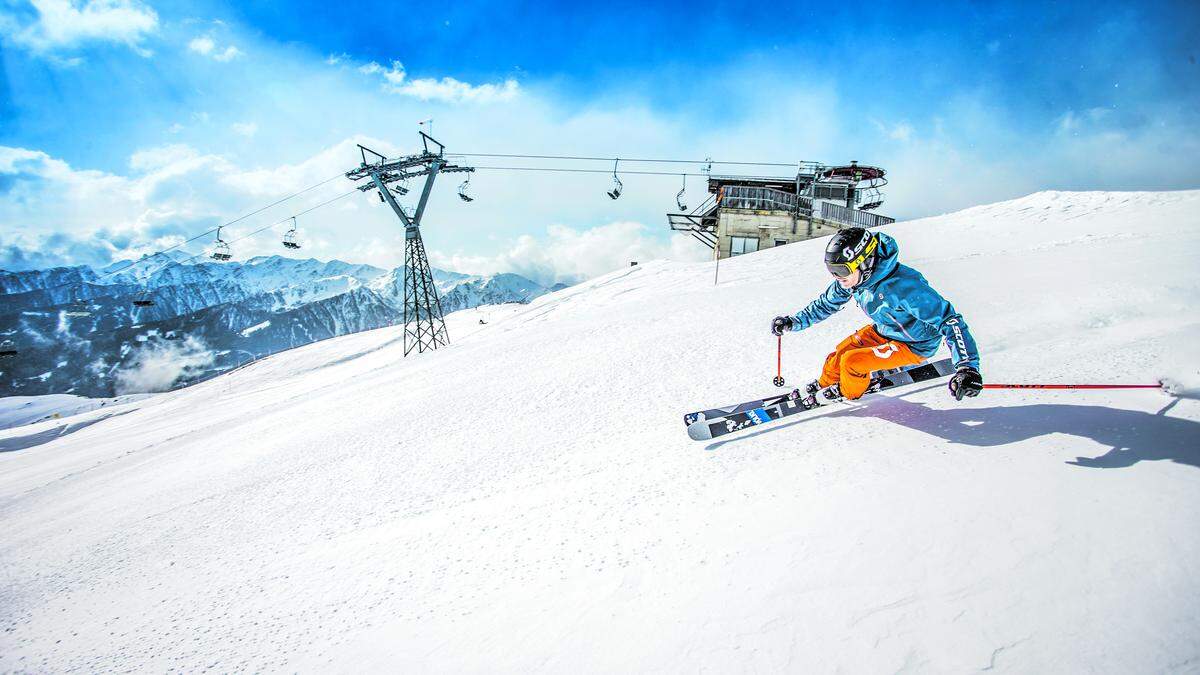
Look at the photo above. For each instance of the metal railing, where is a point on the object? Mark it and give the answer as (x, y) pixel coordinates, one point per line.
(762, 199)
(842, 214)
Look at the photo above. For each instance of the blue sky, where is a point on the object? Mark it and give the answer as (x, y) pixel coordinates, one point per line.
(125, 125)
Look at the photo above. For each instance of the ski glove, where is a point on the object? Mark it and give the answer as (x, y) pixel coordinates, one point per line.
(781, 323)
(966, 382)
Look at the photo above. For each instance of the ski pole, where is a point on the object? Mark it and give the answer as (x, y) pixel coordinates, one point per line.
(779, 363)
(1073, 386)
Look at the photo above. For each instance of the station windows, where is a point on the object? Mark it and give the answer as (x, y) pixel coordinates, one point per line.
(740, 245)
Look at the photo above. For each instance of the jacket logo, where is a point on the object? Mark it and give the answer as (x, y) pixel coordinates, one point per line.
(885, 350)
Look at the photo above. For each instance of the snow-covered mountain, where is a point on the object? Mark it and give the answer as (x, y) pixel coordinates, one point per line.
(78, 328)
(527, 500)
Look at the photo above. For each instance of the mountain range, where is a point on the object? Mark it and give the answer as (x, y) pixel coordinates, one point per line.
(78, 330)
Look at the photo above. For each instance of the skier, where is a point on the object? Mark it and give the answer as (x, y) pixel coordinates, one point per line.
(910, 319)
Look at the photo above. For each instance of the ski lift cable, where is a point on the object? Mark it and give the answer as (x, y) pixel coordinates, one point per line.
(623, 159)
(260, 230)
(550, 169)
(207, 232)
(603, 171)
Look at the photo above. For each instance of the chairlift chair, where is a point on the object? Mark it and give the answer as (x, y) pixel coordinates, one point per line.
(289, 237)
(679, 196)
(617, 185)
(8, 349)
(143, 299)
(221, 251)
(464, 190)
(871, 199)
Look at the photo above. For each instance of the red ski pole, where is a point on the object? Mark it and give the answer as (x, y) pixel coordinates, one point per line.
(779, 363)
(1073, 386)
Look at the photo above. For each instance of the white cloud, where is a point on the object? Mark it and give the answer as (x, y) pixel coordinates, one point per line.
(157, 365)
(247, 129)
(447, 89)
(206, 46)
(228, 54)
(566, 254)
(902, 131)
(172, 192)
(202, 45)
(64, 24)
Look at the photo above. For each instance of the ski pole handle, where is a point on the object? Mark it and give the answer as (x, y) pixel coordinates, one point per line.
(1072, 386)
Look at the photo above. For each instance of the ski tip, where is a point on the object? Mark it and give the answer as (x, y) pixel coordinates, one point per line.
(699, 432)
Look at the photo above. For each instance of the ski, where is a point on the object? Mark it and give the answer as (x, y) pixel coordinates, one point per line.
(708, 424)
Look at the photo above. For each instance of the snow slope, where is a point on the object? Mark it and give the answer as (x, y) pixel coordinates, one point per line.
(527, 499)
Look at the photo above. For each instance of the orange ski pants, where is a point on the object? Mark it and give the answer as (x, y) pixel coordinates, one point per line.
(857, 356)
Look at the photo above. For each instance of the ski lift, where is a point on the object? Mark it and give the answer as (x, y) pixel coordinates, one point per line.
(143, 299)
(464, 190)
(679, 196)
(871, 198)
(289, 237)
(617, 186)
(8, 349)
(221, 251)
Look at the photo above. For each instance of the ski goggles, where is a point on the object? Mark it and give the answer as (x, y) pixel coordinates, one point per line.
(847, 268)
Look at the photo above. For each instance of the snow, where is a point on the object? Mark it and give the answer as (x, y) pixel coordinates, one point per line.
(255, 328)
(527, 499)
(16, 411)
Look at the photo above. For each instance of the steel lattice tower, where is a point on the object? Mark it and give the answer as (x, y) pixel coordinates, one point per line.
(424, 324)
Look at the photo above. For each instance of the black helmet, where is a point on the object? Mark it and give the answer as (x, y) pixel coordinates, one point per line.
(851, 249)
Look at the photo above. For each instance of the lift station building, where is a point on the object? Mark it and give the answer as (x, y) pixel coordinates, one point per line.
(743, 214)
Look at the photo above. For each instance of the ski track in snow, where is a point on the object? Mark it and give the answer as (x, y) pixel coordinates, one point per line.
(527, 499)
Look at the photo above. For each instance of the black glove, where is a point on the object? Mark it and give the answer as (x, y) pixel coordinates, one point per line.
(966, 382)
(780, 324)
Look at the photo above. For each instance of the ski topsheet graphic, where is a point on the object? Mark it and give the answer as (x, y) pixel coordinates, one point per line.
(706, 424)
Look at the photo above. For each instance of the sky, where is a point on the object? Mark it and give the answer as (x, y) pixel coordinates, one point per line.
(129, 126)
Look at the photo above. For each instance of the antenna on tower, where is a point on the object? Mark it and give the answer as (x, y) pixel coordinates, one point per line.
(424, 322)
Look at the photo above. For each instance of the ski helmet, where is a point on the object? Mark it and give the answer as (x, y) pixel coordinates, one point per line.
(853, 248)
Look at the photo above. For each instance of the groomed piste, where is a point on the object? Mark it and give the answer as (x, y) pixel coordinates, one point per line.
(527, 500)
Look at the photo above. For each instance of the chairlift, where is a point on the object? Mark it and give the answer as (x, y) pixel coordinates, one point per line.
(871, 198)
(679, 196)
(617, 186)
(221, 251)
(143, 299)
(8, 349)
(289, 237)
(464, 190)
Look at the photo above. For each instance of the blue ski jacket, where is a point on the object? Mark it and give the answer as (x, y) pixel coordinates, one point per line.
(904, 307)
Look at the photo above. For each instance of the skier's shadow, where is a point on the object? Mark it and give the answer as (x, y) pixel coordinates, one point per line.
(1132, 435)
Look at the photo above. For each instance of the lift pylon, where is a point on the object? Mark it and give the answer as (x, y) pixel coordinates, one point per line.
(424, 323)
